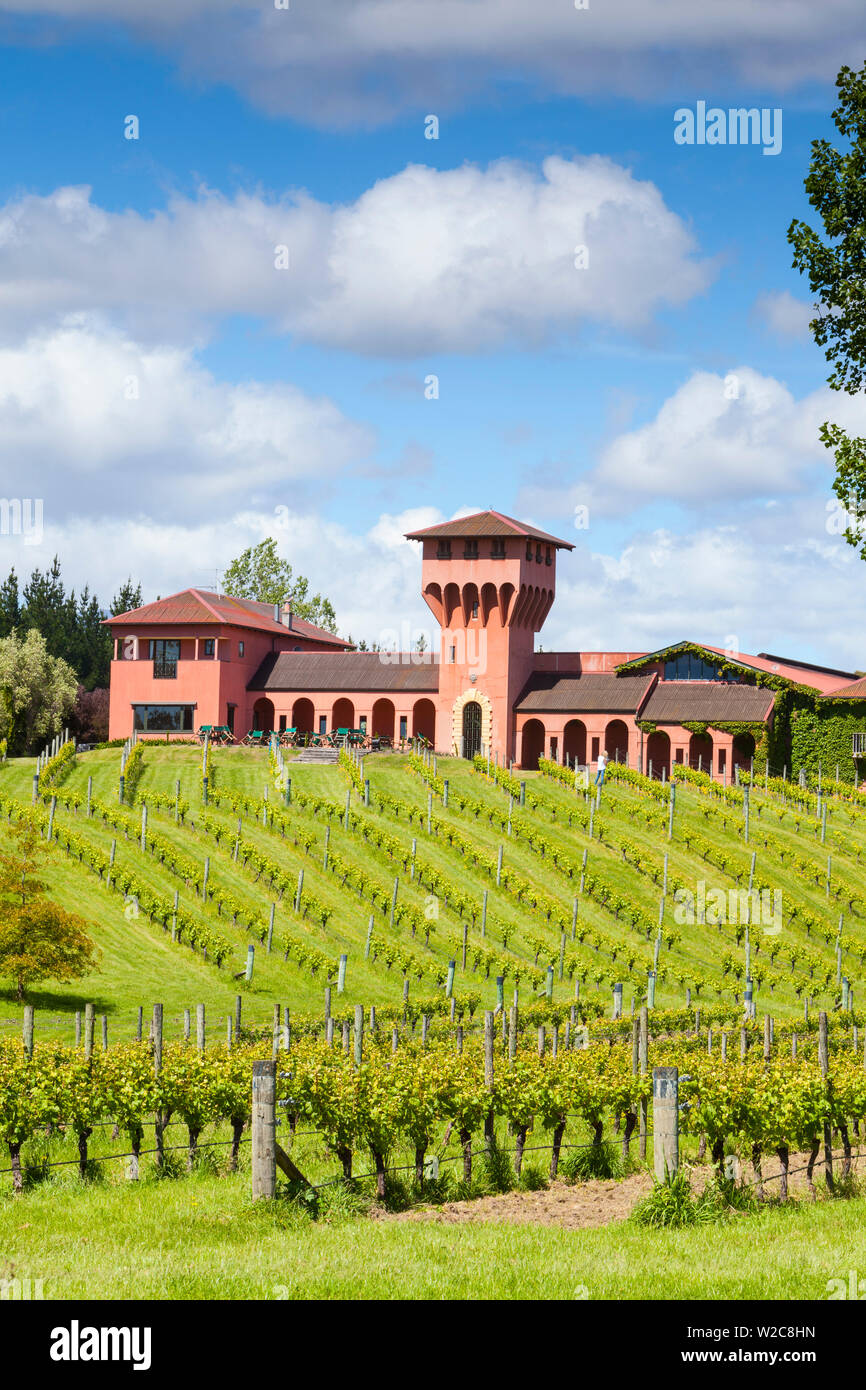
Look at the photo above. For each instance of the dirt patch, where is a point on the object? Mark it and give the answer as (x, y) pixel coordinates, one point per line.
(581, 1206)
(571, 1206)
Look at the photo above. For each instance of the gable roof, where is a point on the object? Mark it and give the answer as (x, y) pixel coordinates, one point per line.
(855, 691)
(486, 524)
(584, 694)
(199, 607)
(704, 701)
(820, 678)
(345, 671)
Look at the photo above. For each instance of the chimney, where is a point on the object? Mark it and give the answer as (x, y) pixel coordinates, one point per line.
(277, 613)
(289, 616)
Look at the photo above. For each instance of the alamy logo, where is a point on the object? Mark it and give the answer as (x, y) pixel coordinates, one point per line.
(22, 516)
(737, 126)
(736, 906)
(855, 1288)
(77, 1343)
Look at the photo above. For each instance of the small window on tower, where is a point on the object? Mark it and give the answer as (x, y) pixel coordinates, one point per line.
(443, 550)
(538, 554)
(529, 550)
(548, 559)
(240, 648)
(475, 609)
(470, 550)
(208, 646)
(497, 549)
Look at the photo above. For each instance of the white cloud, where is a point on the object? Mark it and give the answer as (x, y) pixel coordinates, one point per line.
(423, 262)
(367, 61)
(717, 439)
(89, 416)
(784, 314)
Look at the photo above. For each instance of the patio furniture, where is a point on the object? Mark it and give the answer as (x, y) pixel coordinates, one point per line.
(254, 738)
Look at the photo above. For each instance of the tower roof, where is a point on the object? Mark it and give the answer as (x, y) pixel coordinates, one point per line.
(486, 524)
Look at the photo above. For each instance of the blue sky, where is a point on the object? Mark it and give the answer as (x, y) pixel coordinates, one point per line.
(258, 393)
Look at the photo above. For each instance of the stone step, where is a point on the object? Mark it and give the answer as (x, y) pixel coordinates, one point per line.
(317, 755)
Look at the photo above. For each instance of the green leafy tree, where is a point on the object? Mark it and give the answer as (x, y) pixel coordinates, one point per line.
(38, 938)
(127, 597)
(260, 574)
(37, 692)
(836, 188)
(10, 604)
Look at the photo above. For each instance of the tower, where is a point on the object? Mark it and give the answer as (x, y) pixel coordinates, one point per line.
(489, 582)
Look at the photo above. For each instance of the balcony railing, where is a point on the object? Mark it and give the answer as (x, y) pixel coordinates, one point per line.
(165, 670)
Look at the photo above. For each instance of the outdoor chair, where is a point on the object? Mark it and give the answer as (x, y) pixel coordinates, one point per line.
(254, 738)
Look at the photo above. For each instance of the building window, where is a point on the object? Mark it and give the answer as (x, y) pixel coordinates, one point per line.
(529, 550)
(404, 726)
(323, 723)
(209, 646)
(475, 608)
(470, 550)
(362, 723)
(548, 559)
(230, 718)
(282, 722)
(452, 654)
(688, 666)
(594, 751)
(497, 549)
(165, 654)
(172, 719)
(240, 648)
(443, 550)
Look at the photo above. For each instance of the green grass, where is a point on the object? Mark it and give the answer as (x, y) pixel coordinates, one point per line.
(202, 1238)
(139, 964)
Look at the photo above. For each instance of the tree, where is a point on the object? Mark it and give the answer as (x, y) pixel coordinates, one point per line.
(38, 938)
(836, 188)
(37, 692)
(259, 573)
(127, 597)
(10, 604)
(89, 717)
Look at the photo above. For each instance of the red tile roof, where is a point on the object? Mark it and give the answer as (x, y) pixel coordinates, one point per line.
(856, 690)
(583, 694)
(704, 701)
(361, 671)
(198, 607)
(486, 524)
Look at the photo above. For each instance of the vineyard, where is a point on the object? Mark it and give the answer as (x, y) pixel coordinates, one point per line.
(449, 963)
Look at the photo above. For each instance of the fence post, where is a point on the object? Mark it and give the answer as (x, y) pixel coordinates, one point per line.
(157, 1038)
(341, 974)
(359, 1034)
(488, 1073)
(88, 1031)
(28, 1029)
(199, 1027)
(824, 1063)
(666, 1121)
(643, 1063)
(264, 1134)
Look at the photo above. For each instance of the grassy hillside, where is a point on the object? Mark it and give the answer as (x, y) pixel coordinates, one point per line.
(617, 918)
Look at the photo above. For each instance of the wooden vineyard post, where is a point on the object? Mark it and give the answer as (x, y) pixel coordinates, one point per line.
(28, 1030)
(139, 1024)
(359, 1034)
(199, 1027)
(271, 927)
(367, 943)
(824, 1063)
(88, 1031)
(666, 1119)
(512, 1032)
(104, 1018)
(264, 1134)
(489, 1038)
(643, 1064)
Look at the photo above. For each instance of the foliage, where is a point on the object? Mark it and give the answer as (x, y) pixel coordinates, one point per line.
(260, 573)
(37, 692)
(38, 938)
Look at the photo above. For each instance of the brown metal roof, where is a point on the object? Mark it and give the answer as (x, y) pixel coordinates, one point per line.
(486, 524)
(367, 671)
(584, 694)
(199, 607)
(703, 701)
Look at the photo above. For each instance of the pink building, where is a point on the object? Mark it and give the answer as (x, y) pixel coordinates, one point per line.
(198, 658)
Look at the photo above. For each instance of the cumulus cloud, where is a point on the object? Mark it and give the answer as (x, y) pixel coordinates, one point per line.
(89, 416)
(779, 583)
(368, 61)
(783, 313)
(717, 439)
(424, 261)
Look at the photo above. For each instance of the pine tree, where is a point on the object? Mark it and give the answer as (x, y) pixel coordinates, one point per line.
(10, 604)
